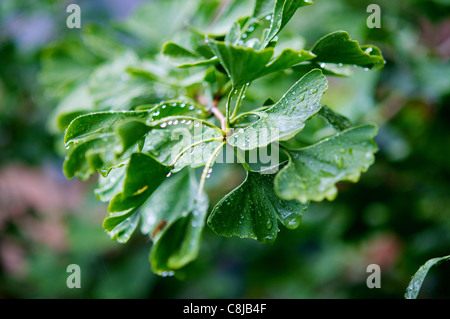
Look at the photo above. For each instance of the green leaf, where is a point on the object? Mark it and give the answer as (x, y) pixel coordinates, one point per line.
(263, 7)
(339, 48)
(339, 122)
(313, 171)
(111, 184)
(282, 13)
(243, 65)
(417, 280)
(113, 86)
(253, 210)
(287, 117)
(97, 141)
(143, 176)
(183, 144)
(76, 103)
(184, 58)
(181, 140)
(227, 13)
(175, 223)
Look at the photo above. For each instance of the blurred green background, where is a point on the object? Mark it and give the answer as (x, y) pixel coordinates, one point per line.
(397, 216)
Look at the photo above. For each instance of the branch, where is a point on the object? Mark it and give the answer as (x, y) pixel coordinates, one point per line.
(218, 114)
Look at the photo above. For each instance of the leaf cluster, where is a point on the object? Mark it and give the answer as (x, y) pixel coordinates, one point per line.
(149, 122)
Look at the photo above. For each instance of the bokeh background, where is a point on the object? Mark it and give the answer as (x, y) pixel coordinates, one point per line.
(397, 216)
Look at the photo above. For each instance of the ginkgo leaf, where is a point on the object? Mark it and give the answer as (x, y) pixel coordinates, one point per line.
(111, 184)
(413, 289)
(253, 210)
(174, 223)
(143, 176)
(184, 58)
(245, 64)
(113, 87)
(263, 7)
(338, 121)
(287, 117)
(282, 13)
(98, 141)
(339, 48)
(313, 171)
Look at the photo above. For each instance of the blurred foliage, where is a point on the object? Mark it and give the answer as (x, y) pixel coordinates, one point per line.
(397, 216)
